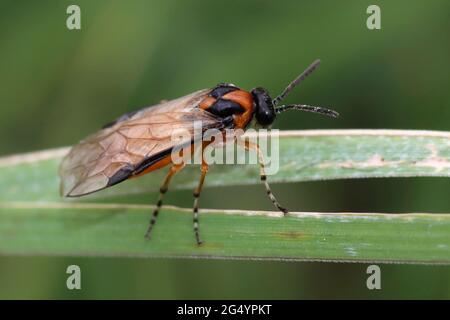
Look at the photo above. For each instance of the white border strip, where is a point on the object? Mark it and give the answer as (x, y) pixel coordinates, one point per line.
(31, 157)
(60, 152)
(269, 214)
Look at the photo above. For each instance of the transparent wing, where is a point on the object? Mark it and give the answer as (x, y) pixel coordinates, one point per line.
(114, 153)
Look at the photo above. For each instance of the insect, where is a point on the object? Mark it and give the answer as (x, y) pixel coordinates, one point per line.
(140, 142)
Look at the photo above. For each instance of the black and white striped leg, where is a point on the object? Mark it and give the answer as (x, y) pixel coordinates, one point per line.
(251, 146)
(174, 169)
(197, 192)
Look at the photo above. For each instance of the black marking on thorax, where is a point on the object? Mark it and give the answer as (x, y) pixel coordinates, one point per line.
(224, 108)
(222, 89)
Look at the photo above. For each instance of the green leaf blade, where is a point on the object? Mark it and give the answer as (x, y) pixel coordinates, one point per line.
(117, 230)
(35, 220)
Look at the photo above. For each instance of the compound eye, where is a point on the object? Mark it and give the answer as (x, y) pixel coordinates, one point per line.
(265, 117)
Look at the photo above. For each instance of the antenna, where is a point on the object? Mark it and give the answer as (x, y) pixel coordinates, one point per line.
(296, 81)
(304, 107)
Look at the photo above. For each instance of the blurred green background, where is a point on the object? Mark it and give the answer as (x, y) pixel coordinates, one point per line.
(57, 86)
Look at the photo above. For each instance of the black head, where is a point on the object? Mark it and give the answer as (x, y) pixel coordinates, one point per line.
(267, 109)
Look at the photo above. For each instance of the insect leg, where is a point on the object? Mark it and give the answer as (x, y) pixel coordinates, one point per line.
(198, 190)
(252, 146)
(174, 169)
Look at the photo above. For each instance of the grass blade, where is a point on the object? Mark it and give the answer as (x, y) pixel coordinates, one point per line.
(117, 230)
(35, 220)
(304, 156)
